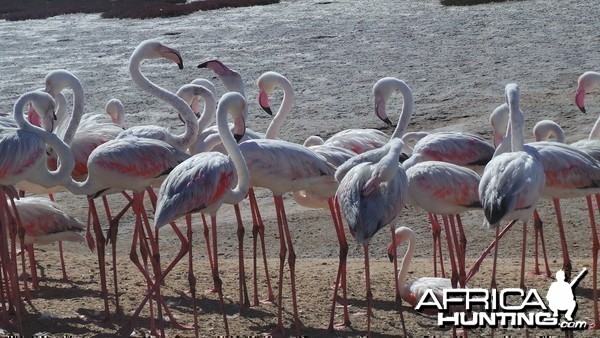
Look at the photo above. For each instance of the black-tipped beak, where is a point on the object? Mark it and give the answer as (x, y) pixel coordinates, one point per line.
(268, 110)
(387, 121)
(203, 65)
(391, 257)
(180, 64)
(238, 137)
(582, 109)
(403, 157)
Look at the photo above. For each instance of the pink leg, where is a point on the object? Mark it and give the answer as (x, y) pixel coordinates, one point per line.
(191, 276)
(216, 278)
(279, 330)
(539, 226)
(437, 229)
(449, 239)
(206, 234)
(341, 275)
(463, 245)
(369, 293)
(258, 228)
(32, 266)
(459, 253)
(100, 243)
(595, 249)
(243, 289)
(15, 304)
(563, 240)
(291, 261)
(523, 249)
(435, 235)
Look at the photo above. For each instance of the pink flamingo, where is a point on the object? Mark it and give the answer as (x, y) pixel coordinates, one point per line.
(371, 196)
(570, 173)
(205, 181)
(511, 184)
(132, 164)
(44, 222)
(446, 189)
(27, 146)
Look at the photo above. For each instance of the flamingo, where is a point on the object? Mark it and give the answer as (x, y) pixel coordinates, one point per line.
(416, 288)
(115, 109)
(132, 164)
(570, 173)
(44, 222)
(511, 183)
(372, 195)
(205, 181)
(446, 189)
(27, 147)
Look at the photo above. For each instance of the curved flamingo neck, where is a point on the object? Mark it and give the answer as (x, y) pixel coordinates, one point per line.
(408, 256)
(182, 141)
(548, 129)
(46, 178)
(58, 80)
(407, 108)
(208, 113)
(284, 109)
(237, 194)
(595, 133)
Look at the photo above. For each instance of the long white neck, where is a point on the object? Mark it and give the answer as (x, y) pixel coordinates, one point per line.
(208, 113)
(516, 117)
(547, 129)
(284, 109)
(56, 81)
(407, 108)
(408, 256)
(46, 178)
(237, 194)
(184, 140)
(595, 133)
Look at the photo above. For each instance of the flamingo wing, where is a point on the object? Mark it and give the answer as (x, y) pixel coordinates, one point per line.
(196, 184)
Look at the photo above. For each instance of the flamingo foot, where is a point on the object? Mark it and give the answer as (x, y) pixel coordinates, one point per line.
(594, 326)
(267, 301)
(341, 326)
(213, 290)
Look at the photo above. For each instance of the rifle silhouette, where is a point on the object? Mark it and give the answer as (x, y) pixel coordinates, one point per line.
(576, 279)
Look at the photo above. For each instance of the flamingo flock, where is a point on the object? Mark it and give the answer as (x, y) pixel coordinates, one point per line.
(365, 178)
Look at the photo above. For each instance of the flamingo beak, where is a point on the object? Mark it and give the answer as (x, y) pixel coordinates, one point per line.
(217, 66)
(239, 129)
(390, 257)
(580, 99)
(263, 101)
(380, 111)
(173, 55)
(194, 106)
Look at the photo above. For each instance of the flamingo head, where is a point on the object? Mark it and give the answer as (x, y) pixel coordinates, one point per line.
(499, 122)
(114, 108)
(580, 99)
(45, 106)
(239, 119)
(154, 49)
(586, 83)
(232, 79)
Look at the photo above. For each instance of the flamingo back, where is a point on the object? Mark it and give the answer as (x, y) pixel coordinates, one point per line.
(28, 153)
(198, 184)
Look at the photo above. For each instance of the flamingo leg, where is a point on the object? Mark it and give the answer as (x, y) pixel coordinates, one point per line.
(32, 266)
(113, 229)
(396, 285)
(282, 252)
(258, 227)
(341, 275)
(435, 237)
(595, 249)
(243, 288)
(459, 253)
(449, 239)
(100, 243)
(492, 245)
(463, 247)
(191, 276)
(216, 279)
(291, 262)
(523, 249)
(369, 293)
(206, 233)
(437, 230)
(15, 304)
(567, 267)
(539, 226)
(536, 269)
